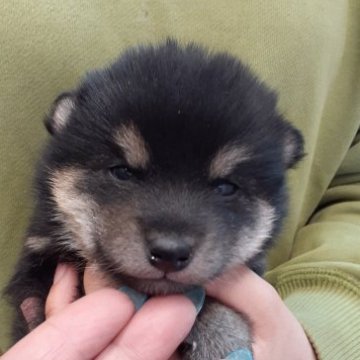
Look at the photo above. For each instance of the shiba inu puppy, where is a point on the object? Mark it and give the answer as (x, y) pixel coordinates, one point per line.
(164, 170)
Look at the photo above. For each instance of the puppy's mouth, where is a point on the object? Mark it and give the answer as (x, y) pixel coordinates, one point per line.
(162, 285)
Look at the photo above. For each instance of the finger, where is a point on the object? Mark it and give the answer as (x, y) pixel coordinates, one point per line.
(246, 292)
(155, 331)
(94, 280)
(80, 331)
(63, 291)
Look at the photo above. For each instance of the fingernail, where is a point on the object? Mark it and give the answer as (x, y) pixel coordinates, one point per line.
(241, 354)
(59, 272)
(197, 297)
(136, 297)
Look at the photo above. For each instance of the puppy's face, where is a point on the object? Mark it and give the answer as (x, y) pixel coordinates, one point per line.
(168, 167)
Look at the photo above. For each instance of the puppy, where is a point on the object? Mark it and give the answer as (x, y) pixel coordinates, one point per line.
(164, 170)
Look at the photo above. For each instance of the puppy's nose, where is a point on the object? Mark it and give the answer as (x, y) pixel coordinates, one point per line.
(169, 257)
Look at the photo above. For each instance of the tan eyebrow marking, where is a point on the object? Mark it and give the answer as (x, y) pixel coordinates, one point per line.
(133, 145)
(226, 159)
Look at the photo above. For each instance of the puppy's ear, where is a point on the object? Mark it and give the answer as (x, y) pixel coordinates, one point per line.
(60, 113)
(293, 146)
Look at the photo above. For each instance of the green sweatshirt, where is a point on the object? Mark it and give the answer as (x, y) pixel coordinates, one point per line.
(308, 51)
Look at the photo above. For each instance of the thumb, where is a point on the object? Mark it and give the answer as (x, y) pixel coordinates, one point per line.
(63, 291)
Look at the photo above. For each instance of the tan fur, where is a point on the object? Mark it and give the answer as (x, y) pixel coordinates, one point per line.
(198, 269)
(62, 113)
(130, 140)
(226, 160)
(77, 210)
(122, 240)
(36, 243)
(253, 238)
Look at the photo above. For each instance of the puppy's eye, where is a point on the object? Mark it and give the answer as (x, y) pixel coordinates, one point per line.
(121, 172)
(225, 188)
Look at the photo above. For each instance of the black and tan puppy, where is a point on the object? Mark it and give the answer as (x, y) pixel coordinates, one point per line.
(164, 170)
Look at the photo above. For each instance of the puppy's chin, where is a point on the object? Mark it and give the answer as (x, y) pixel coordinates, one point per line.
(160, 286)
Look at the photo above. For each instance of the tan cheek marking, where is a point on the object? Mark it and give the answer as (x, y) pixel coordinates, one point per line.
(133, 145)
(124, 241)
(252, 239)
(226, 160)
(76, 209)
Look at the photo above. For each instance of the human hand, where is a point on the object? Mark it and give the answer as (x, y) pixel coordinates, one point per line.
(277, 334)
(104, 325)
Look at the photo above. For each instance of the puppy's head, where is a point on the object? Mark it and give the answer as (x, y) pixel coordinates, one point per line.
(168, 167)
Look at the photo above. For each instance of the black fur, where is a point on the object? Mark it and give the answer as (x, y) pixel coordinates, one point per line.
(187, 104)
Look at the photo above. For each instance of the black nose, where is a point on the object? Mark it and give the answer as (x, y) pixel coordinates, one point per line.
(168, 256)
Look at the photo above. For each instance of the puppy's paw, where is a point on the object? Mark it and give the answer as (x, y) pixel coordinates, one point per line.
(32, 309)
(217, 332)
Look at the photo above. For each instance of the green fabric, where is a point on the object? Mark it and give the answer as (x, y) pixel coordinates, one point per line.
(327, 304)
(308, 51)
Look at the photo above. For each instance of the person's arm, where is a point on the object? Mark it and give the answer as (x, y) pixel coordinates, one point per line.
(320, 282)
